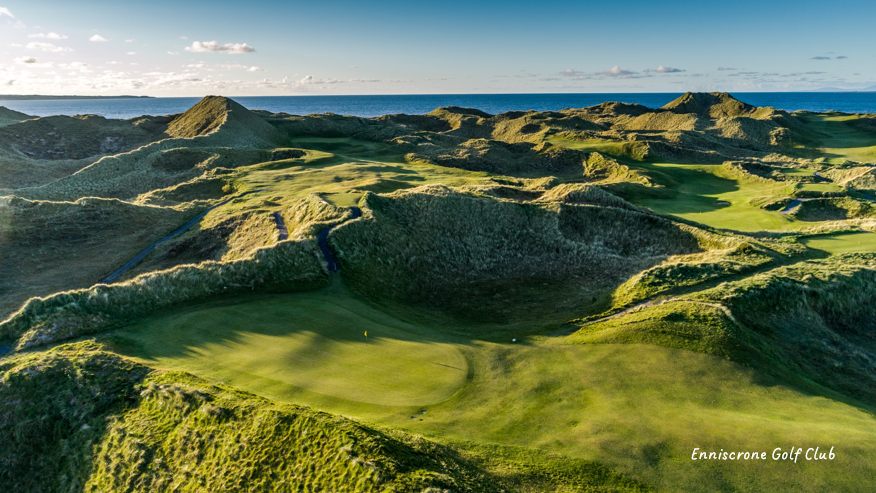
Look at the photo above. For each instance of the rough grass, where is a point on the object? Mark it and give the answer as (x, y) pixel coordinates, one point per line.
(288, 266)
(833, 209)
(477, 227)
(690, 270)
(78, 418)
(683, 325)
(56, 246)
(39, 150)
(816, 319)
(806, 322)
(442, 248)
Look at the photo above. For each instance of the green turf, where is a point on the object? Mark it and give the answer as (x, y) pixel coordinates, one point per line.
(842, 243)
(697, 191)
(701, 187)
(341, 165)
(635, 393)
(638, 408)
(821, 187)
(839, 139)
(313, 342)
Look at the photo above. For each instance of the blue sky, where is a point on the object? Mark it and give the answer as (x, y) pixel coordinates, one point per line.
(192, 48)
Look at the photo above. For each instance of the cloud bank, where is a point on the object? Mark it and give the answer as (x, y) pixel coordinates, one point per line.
(215, 47)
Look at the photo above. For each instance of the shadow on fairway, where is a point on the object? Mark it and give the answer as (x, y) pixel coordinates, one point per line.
(314, 341)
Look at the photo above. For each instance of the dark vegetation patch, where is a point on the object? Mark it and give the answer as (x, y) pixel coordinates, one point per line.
(441, 248)
(281, 154)
(832, 209)
(54, 407)
(55, 246)
(80, 137)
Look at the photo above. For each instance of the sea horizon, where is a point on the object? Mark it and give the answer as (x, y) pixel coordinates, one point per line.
(378, 105)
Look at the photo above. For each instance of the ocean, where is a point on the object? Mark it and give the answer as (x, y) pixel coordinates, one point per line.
(368, 106)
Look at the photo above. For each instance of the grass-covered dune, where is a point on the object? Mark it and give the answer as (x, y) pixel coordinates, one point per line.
(811, 321)
(288, 266)
(555, 301)
(77, 418)
(50, 246)
(447, 249)
(39, 150)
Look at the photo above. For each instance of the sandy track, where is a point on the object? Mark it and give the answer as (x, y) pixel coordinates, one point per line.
(179, 231)
(322, 241)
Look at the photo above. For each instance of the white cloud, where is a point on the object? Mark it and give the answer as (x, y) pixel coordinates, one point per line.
(364, 80)
(616, 71)
(129, 40)
(5, 11)
(173, 53)
(667, 70)
(183, 37)
(97, 38)
(237, 65)
(48, 36)
(309, 80)
(131, 53)
(113, 63)
(215, 47)
(196, 65)
(35, 45)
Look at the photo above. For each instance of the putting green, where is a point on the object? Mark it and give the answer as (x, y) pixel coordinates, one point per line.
(840, 139)
(285, 345)
(701, 188)
(637, 408)
(842, 243)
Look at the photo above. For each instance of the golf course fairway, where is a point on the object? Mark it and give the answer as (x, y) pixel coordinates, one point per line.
(311, 342)
(624, 405)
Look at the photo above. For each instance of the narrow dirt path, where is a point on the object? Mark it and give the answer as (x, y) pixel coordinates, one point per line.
(820, 177)
(322, 241)
(793, 205)
(281, 226)
(179, 231)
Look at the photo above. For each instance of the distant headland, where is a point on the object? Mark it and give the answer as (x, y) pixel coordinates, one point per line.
(29, 97)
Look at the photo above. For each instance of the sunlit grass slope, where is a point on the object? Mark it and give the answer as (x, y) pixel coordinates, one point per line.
(285, 345)
(639, 408)
(557, 301)
(841, 139)
(79, 419)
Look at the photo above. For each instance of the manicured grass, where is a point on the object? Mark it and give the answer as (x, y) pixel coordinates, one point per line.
(314, 342)
(842, 243)
(701, 187)
(637, 408)
(842, 140)
(344, 168)
(821, 187)
(697, 189)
